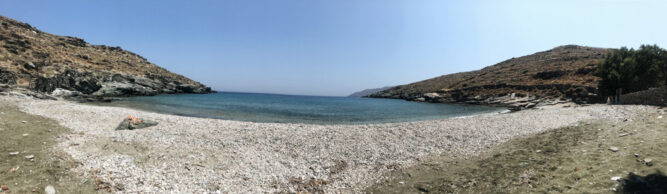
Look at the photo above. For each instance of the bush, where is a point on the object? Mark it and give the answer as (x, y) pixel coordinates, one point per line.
(633, 70)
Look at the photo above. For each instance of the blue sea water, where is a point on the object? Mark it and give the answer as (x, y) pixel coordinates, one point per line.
(298, 109)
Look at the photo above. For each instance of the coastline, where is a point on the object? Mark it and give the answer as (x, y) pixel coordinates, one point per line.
(187, 154)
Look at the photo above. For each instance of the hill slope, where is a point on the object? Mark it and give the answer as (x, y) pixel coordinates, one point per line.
(562, 72)
(41, 62)
(367, 92)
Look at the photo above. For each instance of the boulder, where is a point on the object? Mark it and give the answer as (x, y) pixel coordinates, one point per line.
(131, 123)
(63, 93)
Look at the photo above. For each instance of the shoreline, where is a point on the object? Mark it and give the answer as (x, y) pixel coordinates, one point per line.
(308, 119)
(189, 154)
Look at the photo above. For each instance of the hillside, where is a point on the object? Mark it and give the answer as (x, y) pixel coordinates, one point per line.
(32, 60)
(563, 72)
(367, 92)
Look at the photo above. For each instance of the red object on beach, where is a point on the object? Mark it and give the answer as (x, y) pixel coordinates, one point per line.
(134, 120)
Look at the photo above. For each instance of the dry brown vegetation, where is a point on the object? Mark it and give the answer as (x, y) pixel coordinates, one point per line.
(560, 72)
(30, 58)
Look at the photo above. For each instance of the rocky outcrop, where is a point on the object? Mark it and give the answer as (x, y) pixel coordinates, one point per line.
(561, 74)
(367, 92)
(31, 60)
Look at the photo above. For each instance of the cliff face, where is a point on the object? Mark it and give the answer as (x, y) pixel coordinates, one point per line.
(61, 65)
(565, 72)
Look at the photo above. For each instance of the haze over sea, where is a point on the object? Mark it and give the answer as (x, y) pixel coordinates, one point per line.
(299, 109)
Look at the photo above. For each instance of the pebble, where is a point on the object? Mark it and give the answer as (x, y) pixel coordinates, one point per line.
(24, 121)
(13, 153)
(616, 178)
(25, 135)
(623, 134)
(613, 149)
(636, 155)
(660, 117)
(49, 190)
(401, 182)
(30, 157)
(648, 161)
(50, 130)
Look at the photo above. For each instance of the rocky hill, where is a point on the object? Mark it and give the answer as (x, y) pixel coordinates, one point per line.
(42, 63)
(565, 73)
(367, 92)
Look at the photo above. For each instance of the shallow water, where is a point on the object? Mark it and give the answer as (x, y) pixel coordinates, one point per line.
(298, 109)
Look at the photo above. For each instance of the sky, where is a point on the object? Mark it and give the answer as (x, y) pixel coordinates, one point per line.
(334, 48)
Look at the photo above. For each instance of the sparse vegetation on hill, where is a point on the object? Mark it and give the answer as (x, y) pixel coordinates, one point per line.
(42, 62)
(565, 71)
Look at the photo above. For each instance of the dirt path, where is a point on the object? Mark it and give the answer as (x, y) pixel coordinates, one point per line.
(27, 161)
(595, 157)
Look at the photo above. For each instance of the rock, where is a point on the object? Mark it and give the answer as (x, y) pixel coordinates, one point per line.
(63, 93)
(30, 65)
(24, 121)
(648, 161)
(49, 190)
(636, 155)
(25, 135)
(4, 187)
(616, 178)
(131, 123)
(660, 117)
(401, 182)
(30, 157)
(13, 153)
(613, 149)
(623, 134)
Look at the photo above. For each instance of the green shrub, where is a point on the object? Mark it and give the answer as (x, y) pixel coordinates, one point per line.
(633, 70)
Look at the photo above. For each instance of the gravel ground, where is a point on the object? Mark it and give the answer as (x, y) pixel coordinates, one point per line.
(186, 154)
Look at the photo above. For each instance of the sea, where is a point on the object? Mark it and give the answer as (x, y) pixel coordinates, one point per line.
(277, 108)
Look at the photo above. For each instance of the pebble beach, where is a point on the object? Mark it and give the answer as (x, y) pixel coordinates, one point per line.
(195, 155)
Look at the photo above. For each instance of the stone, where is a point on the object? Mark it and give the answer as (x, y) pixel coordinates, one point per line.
(29, 156)
(131, 123)
(648, 161)
(59, 92)
(636, 155)
(623, 134)
(4, 187)
(613, 149)
(24, 121)
(49, 190)
(30, 65)
(25, 135)
(616, 178)
(13, 153)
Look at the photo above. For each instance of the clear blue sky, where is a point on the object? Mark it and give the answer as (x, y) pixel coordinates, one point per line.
(338, 47)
